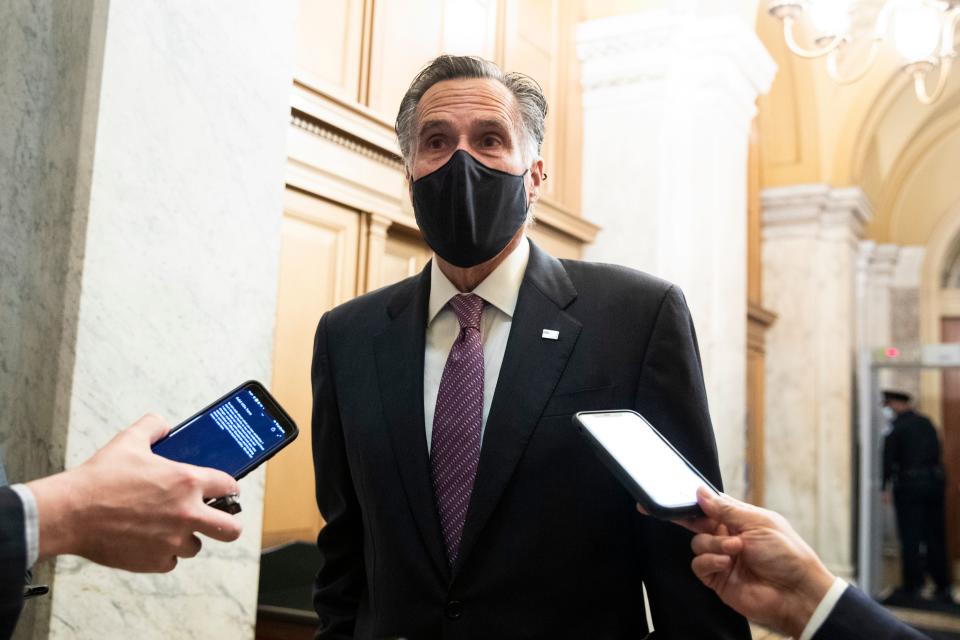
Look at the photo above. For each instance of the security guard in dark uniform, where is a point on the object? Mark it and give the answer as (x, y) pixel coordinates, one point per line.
(912, 462)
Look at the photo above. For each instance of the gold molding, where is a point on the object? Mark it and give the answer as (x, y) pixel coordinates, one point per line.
(553, 215)
(320, 128)
(350, 117)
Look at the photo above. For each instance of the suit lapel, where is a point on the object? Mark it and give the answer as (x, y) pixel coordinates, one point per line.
(399, 356)
(531, 368)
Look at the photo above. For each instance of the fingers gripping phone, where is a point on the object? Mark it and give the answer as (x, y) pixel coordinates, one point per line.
(235, 434)
(657, 475)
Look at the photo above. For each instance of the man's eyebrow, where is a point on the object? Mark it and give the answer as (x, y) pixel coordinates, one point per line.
(493, 123)
(429, 125)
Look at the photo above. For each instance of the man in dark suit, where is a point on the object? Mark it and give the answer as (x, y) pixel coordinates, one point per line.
(125, 508)
(755, 561)
(912, 464)
(459, 500)
(13, 560)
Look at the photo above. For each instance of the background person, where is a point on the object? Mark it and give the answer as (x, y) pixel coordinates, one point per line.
(912, 463)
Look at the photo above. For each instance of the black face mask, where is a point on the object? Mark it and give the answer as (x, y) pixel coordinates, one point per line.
(467, 211)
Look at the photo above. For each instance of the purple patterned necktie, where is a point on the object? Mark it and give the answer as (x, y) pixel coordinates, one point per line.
(455, 443)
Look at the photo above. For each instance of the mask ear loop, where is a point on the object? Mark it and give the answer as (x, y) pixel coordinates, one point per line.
(523, 176)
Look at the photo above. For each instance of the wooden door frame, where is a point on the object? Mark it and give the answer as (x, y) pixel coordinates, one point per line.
(950, 434)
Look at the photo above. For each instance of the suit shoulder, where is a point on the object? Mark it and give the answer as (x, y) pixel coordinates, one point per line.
(924, 418)
(616, 279)
(369, 307)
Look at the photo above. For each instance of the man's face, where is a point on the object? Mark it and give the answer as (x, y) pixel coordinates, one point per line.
(898, 406)
(478, 116)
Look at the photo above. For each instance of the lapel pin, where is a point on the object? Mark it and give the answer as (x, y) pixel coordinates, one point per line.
(550, 334)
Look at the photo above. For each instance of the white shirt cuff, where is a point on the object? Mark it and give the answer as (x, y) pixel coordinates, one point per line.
(31, 521)
(824, 609)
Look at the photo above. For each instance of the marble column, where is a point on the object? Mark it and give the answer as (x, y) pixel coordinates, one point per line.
(140, 200)
(889, 304)
(811, 235)
(668, 99)
(905, 313)
(877, 266)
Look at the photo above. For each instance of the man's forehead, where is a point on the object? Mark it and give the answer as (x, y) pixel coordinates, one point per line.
(476, 98)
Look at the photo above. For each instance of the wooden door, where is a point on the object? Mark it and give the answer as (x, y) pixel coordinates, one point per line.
(950, 332)
(328, 46)
(318, 270)
(408, 34)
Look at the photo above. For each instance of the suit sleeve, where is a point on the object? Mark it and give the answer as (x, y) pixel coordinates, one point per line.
(13, 560)
(857, 617)
(889, 458)
(341, 578)
(672, 396)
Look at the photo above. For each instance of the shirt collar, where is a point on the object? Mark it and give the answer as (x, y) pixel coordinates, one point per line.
(501, 288)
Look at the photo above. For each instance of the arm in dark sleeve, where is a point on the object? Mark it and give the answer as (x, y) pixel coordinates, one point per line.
(13, 560)
(857, 617)
(672, 396)
(889, 458)
(935, 441)
(340, 580)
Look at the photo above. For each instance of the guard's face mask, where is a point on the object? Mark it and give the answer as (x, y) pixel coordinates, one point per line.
(889, 413)
(467, 211)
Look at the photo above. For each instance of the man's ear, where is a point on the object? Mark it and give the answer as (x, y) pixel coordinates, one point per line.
(537, 176)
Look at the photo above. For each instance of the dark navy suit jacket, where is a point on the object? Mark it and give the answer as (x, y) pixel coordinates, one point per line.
(552, 546)
(856, 616)
(13, 560)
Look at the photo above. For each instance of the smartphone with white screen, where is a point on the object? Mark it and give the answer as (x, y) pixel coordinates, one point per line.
(657, 475)
(236, 433)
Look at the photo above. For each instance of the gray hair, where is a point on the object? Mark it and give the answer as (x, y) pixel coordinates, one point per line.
(531, 104)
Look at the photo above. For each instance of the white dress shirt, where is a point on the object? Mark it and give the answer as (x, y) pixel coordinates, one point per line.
(500, 290)
(824, 609)
(31, 521)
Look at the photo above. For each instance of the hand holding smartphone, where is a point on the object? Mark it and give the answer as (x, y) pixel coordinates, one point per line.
(235, 434)
(658, 477)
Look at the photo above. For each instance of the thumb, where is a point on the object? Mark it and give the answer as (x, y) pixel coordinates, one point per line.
(724, 509)
(151, 426)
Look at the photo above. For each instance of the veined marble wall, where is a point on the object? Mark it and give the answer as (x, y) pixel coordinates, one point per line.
(905, 312)
(890, 305)
(668, 100)
(809, 275)
(152, 178)
(44, 197)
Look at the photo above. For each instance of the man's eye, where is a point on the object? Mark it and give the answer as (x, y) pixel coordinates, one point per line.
(491, 141)
(435, 143)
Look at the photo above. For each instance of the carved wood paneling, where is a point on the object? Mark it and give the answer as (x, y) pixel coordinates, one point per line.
(318, 266)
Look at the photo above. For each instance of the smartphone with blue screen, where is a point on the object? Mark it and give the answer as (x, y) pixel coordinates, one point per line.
(235, 434)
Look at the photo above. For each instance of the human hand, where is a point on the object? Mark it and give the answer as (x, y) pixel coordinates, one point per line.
(756, 563)
(129, 508)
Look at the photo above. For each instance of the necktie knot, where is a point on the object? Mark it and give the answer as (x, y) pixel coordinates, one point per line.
(469, 310)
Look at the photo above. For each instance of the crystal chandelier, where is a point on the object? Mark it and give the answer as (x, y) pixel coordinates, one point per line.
(923, 32)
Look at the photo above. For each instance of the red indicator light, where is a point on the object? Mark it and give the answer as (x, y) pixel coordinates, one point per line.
(893, 352)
